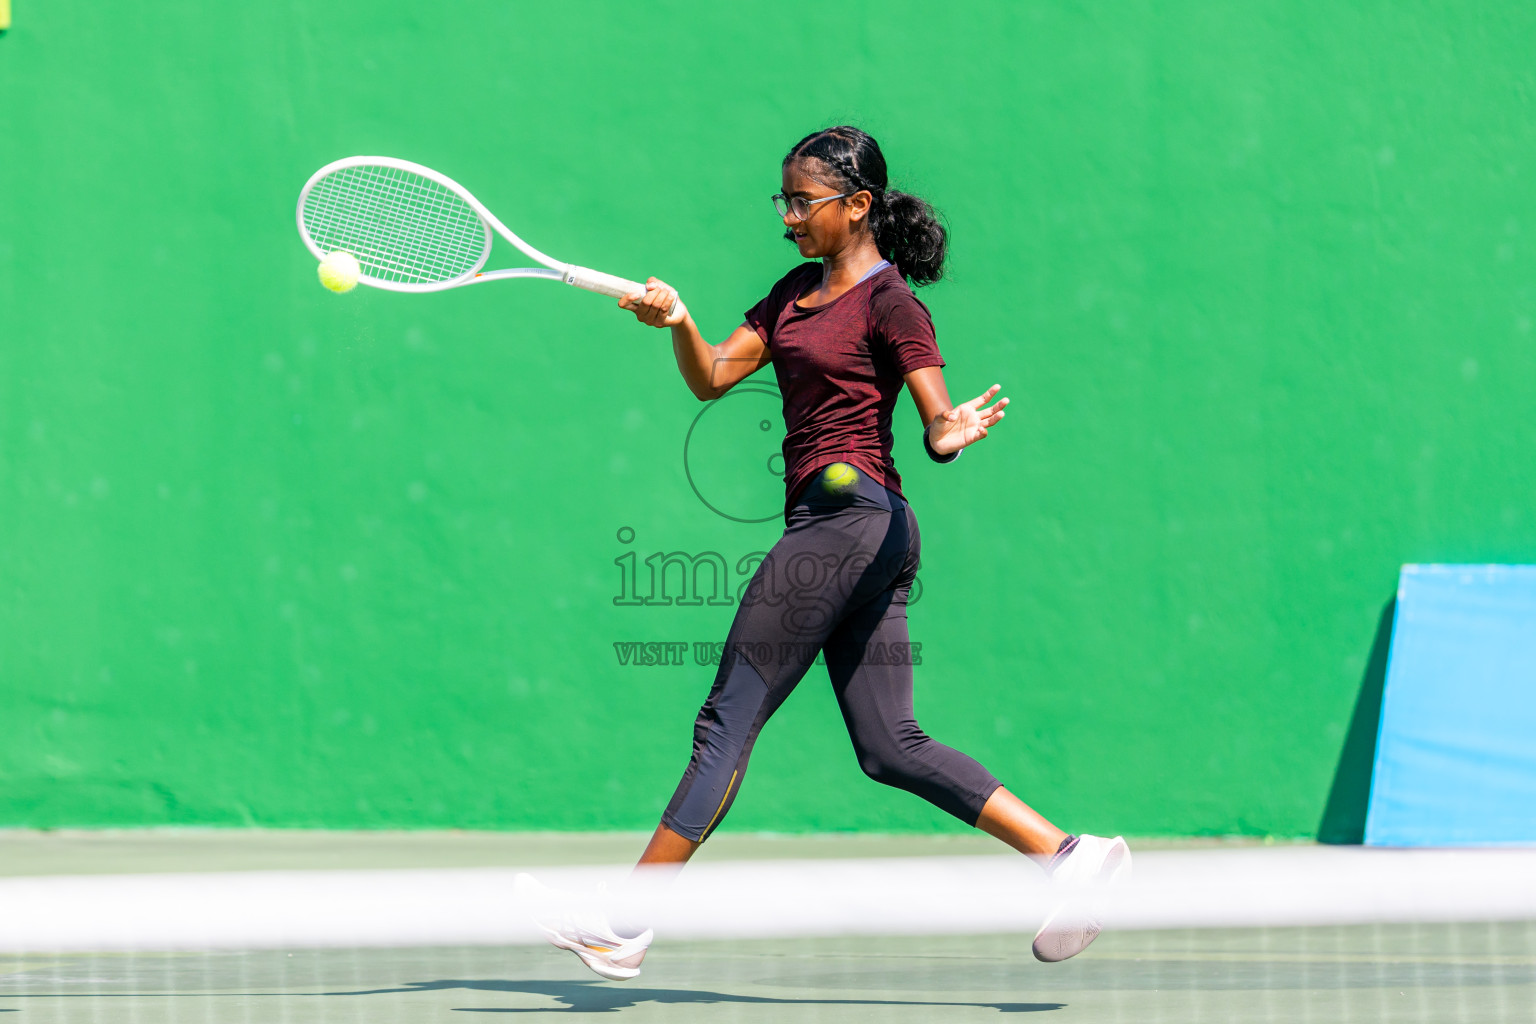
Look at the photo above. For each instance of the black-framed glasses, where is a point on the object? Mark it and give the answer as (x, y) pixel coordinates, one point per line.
(798, 207)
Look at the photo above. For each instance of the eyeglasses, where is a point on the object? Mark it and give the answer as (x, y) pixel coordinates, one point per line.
(800, 208)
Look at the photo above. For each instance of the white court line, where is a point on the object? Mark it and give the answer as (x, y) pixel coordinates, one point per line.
(921, 895)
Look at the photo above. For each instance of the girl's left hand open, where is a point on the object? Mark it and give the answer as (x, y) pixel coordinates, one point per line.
(966, 423)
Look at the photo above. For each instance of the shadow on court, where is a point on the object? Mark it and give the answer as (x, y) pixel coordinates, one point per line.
(597, 997)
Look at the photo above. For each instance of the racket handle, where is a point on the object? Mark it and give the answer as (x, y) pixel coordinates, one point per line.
(604, 284)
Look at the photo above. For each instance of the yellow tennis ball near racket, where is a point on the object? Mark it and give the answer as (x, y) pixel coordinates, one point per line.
(840, 478)
(339, 270)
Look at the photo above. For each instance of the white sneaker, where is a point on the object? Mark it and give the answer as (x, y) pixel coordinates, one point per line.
(571, 922)
(1094, 864)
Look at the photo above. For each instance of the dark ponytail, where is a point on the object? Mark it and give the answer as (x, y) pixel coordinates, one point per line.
(906, 230)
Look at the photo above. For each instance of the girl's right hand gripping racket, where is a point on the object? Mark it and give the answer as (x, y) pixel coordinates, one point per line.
(415, 230)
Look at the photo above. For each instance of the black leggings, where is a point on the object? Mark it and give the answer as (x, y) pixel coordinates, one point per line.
(837, 581)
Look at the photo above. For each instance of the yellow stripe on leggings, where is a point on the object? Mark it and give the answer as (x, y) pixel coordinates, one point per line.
(723, 799)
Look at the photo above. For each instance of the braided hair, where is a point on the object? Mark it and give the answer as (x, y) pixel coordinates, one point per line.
(906, 229)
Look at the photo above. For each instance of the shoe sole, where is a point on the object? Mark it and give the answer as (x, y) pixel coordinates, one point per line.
(1054, 942)
(594, 960)
(527, 889)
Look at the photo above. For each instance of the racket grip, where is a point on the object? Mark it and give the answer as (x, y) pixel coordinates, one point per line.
(604, 284)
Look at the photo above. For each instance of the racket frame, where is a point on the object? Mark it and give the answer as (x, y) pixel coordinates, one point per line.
(553, 269)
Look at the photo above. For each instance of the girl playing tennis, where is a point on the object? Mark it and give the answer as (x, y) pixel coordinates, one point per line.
(843, 335)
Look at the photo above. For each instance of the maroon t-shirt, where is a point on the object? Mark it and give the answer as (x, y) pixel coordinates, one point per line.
(840, 368)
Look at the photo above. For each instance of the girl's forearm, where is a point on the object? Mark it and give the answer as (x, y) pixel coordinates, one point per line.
(695, 358)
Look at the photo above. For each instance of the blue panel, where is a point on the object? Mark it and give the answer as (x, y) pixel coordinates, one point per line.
(1456, 754)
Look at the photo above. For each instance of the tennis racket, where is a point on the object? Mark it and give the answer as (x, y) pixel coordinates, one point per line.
(415, 230)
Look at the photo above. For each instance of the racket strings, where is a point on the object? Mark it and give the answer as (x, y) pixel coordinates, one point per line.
(419, 230)
(402, 227)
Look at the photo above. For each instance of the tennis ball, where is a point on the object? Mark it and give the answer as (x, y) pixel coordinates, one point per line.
(840, 478)
(339, 270)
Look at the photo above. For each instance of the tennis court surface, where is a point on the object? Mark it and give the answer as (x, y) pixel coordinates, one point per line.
(1393, 969)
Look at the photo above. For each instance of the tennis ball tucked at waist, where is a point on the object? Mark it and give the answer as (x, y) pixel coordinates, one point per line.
(339, 270)
(839, 478)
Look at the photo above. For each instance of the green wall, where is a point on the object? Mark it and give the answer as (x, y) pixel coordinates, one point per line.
(1260, 280)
